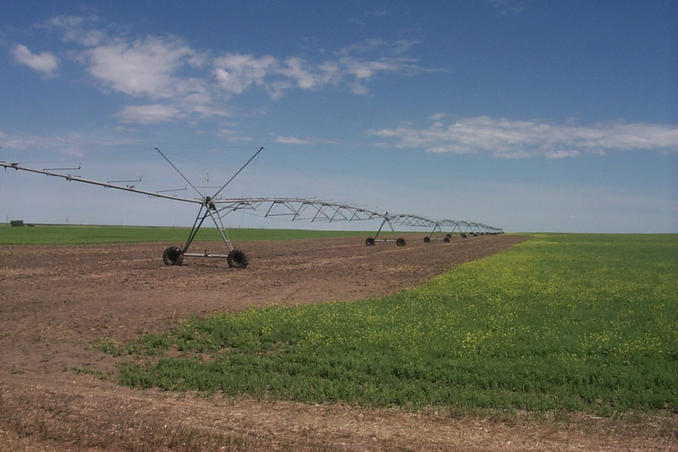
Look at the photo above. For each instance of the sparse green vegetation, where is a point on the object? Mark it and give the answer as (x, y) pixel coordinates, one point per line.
(90, 235)
(561, 322)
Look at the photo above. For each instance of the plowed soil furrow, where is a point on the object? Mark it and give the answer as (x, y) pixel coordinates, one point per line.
(55, 301)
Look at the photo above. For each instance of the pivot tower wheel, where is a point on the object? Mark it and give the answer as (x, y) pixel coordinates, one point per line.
(237, 259)
(427, 239)
(172, 256)
(369, 241)
(400, 241)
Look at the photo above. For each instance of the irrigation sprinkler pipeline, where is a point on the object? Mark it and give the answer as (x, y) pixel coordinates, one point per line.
(172, 255)
(171, 190)
(129, 183)
(402, 220)
(296, 209)
(72, 168)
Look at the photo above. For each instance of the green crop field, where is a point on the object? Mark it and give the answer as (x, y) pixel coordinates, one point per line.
(91, 235)
(560, 322)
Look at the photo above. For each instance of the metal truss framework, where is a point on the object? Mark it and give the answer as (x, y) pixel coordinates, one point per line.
(465, 228)
(295, 209)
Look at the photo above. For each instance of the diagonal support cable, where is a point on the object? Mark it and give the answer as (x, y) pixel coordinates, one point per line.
(180, 173)
(237, 172)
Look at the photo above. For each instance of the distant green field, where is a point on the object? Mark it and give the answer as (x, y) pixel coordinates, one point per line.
(90, 235)
(559, 323)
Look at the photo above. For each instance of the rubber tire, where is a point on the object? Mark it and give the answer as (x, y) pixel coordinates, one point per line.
(462, 235)
(369, 241)
(427, 239)
(237, 259)
(400, 241)
(172, 256)
(449, 236)
(446, 240)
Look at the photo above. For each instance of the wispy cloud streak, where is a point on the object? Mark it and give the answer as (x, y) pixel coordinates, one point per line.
(505, 138)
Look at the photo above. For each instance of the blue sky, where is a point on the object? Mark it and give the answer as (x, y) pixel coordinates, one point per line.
(527, 115)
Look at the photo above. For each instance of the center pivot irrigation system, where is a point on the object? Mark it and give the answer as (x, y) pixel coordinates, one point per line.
(216, 208)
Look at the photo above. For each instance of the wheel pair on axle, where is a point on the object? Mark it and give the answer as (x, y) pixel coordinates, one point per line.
(445, 239)
(370, 241)
(173, 255)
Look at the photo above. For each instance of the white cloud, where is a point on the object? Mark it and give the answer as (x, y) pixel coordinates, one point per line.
(68, 22)
(236, 72)
(142, 67)
(511, 139)
(299, 71)
(364, 70)
(504, 7)
(234, 135)
(291, 140)
(403, 45)
(364, 46)
(306, 140)
(73, 145)
(308, 76)
(67, 145)
(207, 111)
(561, 154)
(76, 29)
(21, 143)
(154, 68)
(149, 68)
(44, 62)
(371, 45)
(148, 114)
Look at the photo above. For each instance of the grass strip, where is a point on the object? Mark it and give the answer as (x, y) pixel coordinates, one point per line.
(91, 235)
(561, 322)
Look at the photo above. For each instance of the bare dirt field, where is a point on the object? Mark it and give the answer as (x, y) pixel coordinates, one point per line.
(56, 302)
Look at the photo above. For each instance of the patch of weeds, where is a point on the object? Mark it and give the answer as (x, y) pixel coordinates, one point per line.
(80, 370)
(108, 346)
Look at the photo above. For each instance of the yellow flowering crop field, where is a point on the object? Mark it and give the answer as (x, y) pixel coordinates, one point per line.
(569, 322)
